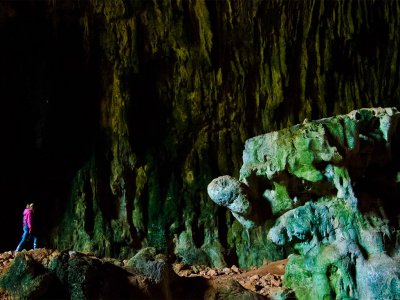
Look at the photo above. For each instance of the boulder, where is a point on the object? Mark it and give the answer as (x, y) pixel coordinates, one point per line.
(27, 279)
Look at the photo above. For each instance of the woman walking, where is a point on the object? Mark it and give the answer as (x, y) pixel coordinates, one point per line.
(27, 227)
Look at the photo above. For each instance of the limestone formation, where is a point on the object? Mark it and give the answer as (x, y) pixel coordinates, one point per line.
(231, 193)
(331, 187)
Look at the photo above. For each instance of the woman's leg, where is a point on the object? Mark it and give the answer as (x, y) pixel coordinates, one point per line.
(34, 241)
(23, 239)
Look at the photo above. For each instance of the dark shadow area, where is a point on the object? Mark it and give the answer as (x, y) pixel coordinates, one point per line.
(189, 288)
(147, 113)
(49, 117)
(378, 194)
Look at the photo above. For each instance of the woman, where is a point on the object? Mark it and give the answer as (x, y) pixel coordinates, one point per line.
(27, 226)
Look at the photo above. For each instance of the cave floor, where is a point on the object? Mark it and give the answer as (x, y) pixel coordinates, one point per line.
(265, 280)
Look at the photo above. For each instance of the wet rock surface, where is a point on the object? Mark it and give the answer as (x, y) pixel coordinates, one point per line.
(50, 274)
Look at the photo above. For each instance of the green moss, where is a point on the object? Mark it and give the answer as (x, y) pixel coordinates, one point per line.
(253, 248)
(214, 250)
(156, 237)
(301, 163)
(187, 252)
(298, 277)
(280, 202)
(26, 279)
(350, 131)
(335, 129)
(171, 218)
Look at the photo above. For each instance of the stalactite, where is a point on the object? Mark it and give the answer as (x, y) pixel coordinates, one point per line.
(183, 84)
(225, 71)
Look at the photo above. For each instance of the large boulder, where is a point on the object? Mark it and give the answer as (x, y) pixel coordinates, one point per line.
(27, 279)
(331, 188)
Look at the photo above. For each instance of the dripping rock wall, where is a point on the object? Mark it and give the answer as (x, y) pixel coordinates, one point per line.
(117, 114)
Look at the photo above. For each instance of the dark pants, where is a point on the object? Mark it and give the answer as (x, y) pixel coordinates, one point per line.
(25, 237)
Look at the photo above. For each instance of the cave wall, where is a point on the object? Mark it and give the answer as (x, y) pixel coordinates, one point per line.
(171, 91)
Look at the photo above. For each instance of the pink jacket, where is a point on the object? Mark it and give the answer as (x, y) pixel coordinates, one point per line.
(27, 219)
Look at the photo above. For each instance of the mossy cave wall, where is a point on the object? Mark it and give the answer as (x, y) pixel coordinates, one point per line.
(124, 111)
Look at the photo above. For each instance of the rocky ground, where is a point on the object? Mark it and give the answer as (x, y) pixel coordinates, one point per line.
(263, 282)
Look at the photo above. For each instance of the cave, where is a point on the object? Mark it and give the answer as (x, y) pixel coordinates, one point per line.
(118, 114)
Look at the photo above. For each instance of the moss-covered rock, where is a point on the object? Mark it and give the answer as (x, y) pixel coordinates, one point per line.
(27, 279)
(153, 266)
(330, 187)
(49, 274)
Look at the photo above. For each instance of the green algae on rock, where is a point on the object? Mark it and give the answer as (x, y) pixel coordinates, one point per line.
(339, 177)
(150, 100)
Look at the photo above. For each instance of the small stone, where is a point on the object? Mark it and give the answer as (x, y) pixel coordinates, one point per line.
(178, 267)
(212, 273)
(185, 273)
(267, 277)
(254, 277)
(275, 282)
(250, 286)
(235, 269)
(263, 291)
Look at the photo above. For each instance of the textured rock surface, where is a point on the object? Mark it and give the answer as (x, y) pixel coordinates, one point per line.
(47, 274)
(117, 114)
(332, 186)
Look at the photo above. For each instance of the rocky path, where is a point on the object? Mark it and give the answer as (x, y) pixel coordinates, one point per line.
(263, 282)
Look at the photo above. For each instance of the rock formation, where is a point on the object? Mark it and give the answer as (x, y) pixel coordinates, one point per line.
(331, 187)
(118, 113)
